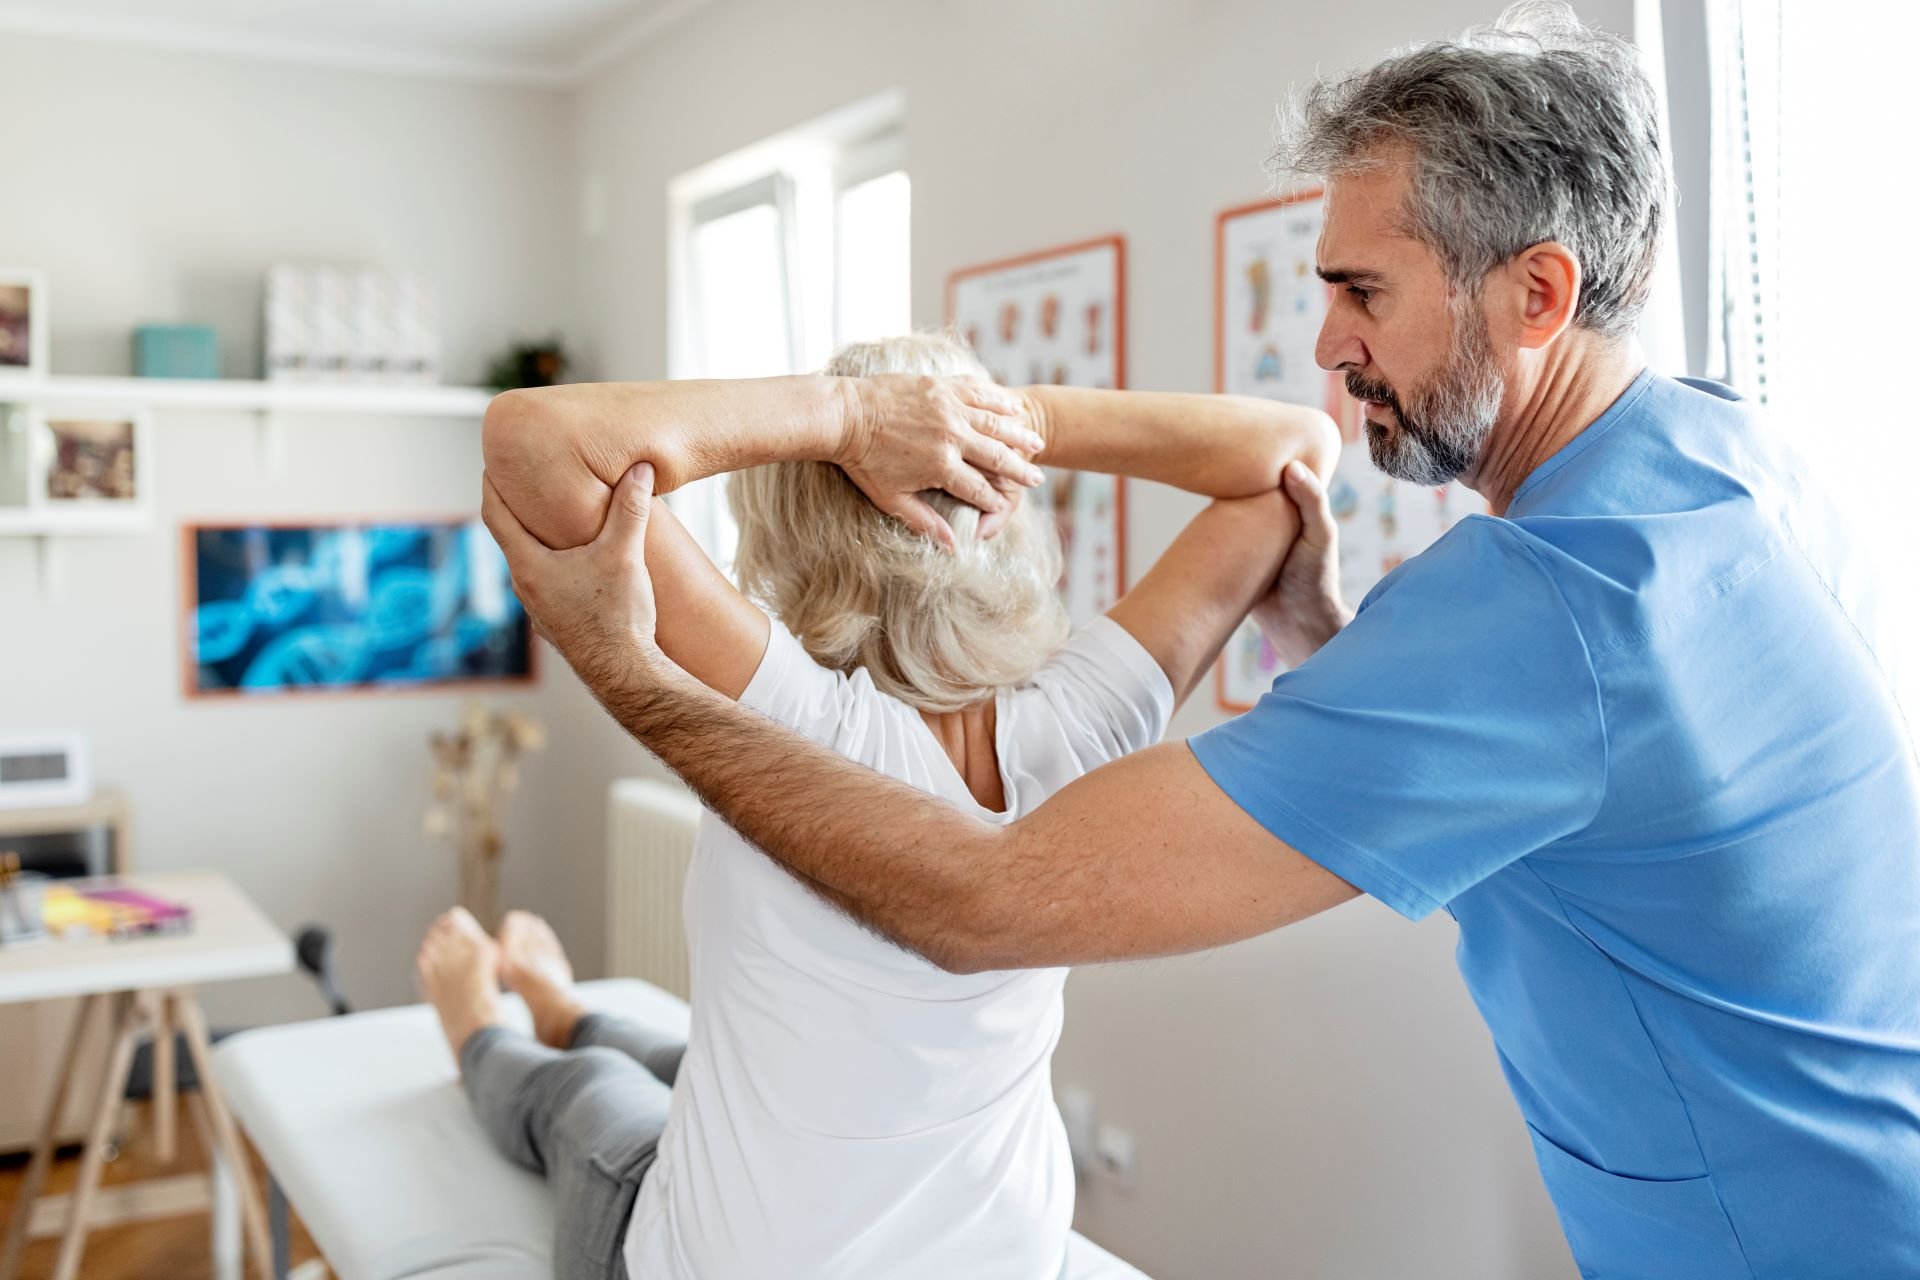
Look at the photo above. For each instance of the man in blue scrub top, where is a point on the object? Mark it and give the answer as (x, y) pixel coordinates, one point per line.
(1635, 731)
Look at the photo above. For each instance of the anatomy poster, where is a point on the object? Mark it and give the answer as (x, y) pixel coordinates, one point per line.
(1270, 306)
(1059, 316)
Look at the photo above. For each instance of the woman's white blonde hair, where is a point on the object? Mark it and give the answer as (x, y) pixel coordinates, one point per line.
(939, 630)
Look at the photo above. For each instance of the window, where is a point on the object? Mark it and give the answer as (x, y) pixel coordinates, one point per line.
(872, 262)
(1811, 305)
(740, 297)
(782, 253)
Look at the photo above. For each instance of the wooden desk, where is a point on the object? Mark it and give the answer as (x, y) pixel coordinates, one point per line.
(147, 986)
(31, 1034)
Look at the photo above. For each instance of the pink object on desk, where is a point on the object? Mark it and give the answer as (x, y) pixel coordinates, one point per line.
(156, 915)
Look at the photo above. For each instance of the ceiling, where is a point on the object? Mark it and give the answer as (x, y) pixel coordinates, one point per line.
(542, 42)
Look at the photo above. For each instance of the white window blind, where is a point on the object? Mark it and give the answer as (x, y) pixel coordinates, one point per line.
(1814, 278)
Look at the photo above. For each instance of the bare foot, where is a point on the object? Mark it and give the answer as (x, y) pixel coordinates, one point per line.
(459, 968)
(534, 965)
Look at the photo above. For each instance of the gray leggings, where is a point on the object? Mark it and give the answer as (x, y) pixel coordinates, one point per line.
(589, 1117)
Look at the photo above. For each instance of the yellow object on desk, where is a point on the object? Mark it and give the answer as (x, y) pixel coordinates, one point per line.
(110, 909)
(67, 912)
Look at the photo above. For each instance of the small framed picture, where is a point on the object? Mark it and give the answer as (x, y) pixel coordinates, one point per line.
(90, 467)
(23, 324)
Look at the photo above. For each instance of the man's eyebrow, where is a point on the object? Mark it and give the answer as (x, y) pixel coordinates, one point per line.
(1350, 275)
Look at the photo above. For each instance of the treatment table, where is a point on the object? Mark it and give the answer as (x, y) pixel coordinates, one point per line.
(364, 1130)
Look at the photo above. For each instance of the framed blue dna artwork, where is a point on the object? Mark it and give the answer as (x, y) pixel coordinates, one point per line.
(275, 608)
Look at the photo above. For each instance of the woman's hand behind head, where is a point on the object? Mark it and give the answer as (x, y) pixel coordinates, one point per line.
(964, 436)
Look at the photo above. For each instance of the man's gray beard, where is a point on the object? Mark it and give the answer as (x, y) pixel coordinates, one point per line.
(1446, 423)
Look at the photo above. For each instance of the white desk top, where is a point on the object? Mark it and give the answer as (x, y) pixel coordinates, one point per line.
(230, 939)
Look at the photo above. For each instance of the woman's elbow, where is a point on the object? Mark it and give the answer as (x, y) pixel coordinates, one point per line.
(1287, 433)
(558, 498)
(1320, 447)
(508, 428)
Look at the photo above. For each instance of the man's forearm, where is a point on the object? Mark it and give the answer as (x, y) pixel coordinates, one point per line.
(555, 453)
(1219, 446)
(1141, 857)
(905, 863)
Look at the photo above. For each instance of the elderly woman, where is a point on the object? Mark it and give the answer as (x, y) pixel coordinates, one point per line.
(843, 1108)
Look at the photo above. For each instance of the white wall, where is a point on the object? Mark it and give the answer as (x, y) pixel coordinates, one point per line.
(154, 185)
(1323, 1102)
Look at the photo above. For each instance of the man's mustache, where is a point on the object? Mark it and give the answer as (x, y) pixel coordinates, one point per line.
(1379, 392)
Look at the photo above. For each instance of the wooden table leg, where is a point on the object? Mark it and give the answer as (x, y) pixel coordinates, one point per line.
(43, 1150)
(229, 1257)
(127, 1022)
(253, 1218)
(165, 1081)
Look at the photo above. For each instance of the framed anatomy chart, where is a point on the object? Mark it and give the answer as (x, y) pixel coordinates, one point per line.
(1268, 308)
(1059, 316)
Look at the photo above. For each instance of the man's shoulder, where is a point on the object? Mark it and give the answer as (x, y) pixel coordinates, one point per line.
(1486, 551)
(1485, 567)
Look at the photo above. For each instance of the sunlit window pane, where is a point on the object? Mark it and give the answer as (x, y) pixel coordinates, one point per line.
(871, 277)
(740, 299)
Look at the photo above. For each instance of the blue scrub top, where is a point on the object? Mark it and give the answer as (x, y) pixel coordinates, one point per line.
(1640, 739)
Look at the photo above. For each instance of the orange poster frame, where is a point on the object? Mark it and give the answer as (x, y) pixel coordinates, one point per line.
(1119, 245)
(1220, 222)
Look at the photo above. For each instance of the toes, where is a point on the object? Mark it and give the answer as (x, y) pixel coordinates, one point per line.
(518, 927)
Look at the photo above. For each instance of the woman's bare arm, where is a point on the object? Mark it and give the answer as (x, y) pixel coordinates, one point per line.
(1220, 446)
(554, 454)
(1221, 565)
(710, 630)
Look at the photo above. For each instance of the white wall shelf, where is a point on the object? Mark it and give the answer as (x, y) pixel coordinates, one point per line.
(250, 396)
(273, 404)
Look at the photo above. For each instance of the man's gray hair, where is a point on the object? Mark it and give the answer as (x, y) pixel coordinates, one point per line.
(1536, 128)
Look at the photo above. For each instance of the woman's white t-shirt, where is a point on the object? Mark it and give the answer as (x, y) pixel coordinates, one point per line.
(846, 1109)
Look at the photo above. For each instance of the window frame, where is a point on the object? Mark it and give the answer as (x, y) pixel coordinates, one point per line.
(775, 190)
(859, 163)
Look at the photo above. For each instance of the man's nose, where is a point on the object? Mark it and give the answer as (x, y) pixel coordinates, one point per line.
(1338, 347)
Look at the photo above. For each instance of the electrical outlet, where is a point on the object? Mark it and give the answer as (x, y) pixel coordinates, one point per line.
(1116, 1156)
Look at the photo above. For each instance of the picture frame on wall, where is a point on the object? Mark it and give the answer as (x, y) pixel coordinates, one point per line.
(1269, 305)
(349, 605)
(1059, 316)
(24, 325)
(76, 468)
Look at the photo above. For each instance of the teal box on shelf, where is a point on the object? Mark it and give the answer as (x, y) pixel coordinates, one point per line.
(175, 351)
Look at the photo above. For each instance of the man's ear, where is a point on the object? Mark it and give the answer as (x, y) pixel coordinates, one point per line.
(1544, 284)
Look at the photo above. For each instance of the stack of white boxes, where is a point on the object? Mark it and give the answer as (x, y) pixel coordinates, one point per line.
(349, 324)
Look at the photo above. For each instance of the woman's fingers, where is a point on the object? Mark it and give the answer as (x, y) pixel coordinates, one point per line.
(996, 458)
(917, 514)
(991, 396)
(1000, 413)
(972, 488)
(1010, 431)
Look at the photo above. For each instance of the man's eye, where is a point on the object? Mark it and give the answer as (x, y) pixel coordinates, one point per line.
(1364, 296)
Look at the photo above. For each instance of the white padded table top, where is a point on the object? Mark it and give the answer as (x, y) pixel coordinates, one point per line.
(362, 1121)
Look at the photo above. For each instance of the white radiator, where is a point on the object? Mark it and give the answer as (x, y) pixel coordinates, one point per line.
(650, 830)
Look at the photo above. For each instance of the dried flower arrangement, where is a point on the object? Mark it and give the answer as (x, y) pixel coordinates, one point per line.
(474, 770)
